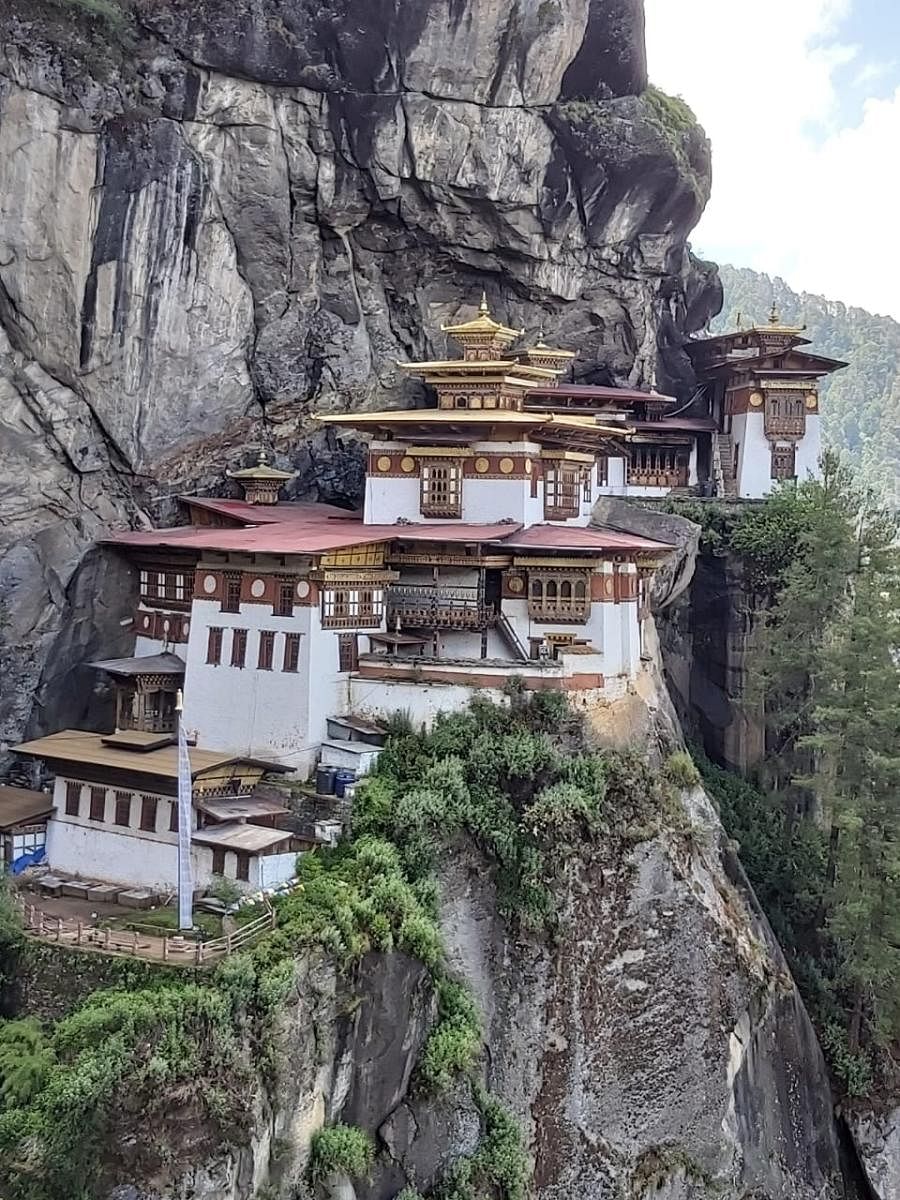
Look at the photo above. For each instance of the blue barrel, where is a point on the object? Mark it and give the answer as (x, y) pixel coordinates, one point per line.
(325, 781)
(342, 777)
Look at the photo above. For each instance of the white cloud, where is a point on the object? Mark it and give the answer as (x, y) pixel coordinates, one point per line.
(795, 191)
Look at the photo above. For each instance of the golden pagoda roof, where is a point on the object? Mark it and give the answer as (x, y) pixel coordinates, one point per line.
(262, 470)
(461, 367)
(478, 416)
(774, 325)
(482, 324)
(541, 347)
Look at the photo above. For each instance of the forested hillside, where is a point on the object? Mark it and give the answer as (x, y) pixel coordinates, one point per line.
(862, 403)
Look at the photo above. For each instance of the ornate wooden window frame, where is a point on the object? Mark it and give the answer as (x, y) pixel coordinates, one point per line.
(559, 596)
(354, 606)
(562, 490)
(440, 487)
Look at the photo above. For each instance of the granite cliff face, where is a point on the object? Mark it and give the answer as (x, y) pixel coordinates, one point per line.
(216, 217)
(656, 1050)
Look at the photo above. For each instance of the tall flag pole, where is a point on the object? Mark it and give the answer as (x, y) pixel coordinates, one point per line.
(185, 815)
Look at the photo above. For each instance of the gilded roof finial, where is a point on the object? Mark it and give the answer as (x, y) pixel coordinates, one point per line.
(263, 457)
(483, 306)
(774, 318)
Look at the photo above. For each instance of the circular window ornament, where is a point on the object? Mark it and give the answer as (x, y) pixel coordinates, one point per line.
(186, 628)
(507, 466)
(167, 625)
(209, 584)
(407, 464)
(812, 400)
(146, 622)
(302, 589)
(608, 585)
(527, 466)
(482, 465)
(516, 584)
(756, 399)
(384, 462)
(258, 588)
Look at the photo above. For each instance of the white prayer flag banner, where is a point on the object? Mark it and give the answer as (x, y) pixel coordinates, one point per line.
(185, 810)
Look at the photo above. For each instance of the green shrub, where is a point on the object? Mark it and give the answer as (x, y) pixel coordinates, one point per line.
(453, 1046)
(25, 1061)
(340, 1149)
(680, 771)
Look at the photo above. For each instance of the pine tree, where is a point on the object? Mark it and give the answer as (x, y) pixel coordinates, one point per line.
(855, 741)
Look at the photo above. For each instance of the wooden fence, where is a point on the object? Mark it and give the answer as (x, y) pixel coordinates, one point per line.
(168, 948)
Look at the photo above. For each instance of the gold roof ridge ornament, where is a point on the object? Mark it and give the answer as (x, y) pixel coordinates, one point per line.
(262, 482)
(483, 324)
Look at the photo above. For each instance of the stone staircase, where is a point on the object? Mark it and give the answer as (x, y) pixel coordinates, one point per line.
(723, 465)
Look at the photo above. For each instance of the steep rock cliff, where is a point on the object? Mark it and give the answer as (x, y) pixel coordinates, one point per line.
(215, 217)
(655, 1049)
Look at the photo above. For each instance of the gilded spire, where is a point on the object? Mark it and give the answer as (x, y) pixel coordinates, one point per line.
(774, 316)
(483, 306)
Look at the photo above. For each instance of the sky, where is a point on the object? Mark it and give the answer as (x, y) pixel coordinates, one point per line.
(801, 99)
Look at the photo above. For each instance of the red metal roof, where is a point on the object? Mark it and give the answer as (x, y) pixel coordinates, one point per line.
(687, 424)
(563, 537)
(266, 514)
(302, 529)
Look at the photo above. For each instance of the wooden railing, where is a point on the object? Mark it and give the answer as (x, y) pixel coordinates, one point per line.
(422, 606)
(168, 948)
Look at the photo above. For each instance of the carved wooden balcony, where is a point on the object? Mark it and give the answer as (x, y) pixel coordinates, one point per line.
(424, 607)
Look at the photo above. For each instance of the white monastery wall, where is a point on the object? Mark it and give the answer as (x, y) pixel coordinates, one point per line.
(754, 472)
(809, 449)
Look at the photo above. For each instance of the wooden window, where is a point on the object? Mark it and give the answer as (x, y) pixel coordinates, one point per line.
(284, 599)
(243, 867)
(169, 586)
(587, 491)
(562, 488)
(73, 799)
(603, 471)
(658, 466)
(783, 462)
(360, 607)
(441, 487)
(559, 596)
(238, 647)
(98, 804)
(173, 816)
(214, 646)
(231, 600)
(123, 809)
(291, 659)
(266, 650)
(148, 814)
(348, 652)
(218, 863)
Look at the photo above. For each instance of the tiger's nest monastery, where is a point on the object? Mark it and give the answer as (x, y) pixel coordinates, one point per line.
(290, 628)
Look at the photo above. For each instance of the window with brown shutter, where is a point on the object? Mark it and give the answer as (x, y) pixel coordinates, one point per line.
(348, 652)
(266, 650)
(243, 867)
(173, 816)
(231, 600)
(218, 863)
(441, 487)
(562, 489)
(98, 804)
(214, 646)
(238, 647)
(783, 463)
(284, 599)
(148, 814)
(123, 809)
(73, 799)
(603, 471)
(291, 652)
